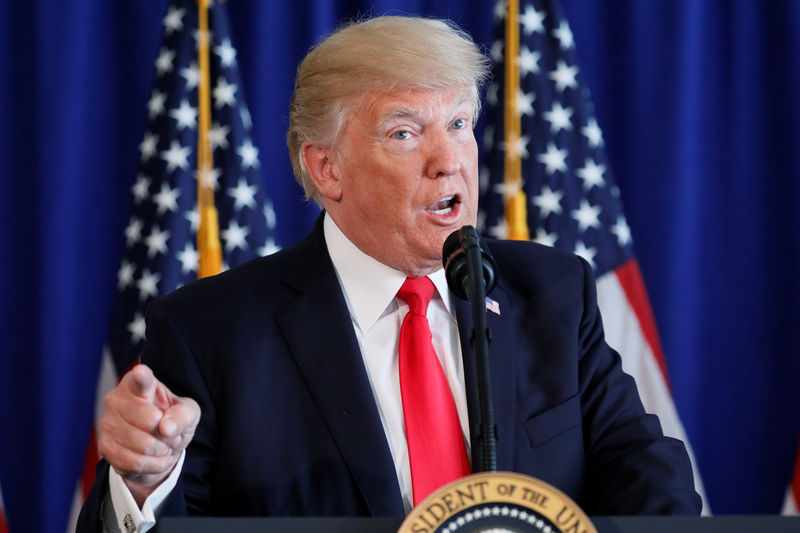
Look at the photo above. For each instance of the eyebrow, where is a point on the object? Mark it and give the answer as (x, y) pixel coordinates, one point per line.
(402, 112)
(413, 112)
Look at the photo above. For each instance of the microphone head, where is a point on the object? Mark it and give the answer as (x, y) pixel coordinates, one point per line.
(456, 264)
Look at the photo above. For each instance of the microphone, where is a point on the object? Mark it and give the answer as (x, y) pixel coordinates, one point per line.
(461, 261)
(470, 272)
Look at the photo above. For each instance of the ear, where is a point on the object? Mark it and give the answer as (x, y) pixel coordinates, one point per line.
(320, 165)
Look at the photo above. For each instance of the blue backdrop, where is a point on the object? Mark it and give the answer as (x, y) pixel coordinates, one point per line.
(698, 101)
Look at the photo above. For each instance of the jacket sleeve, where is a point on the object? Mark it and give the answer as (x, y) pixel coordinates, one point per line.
(631, 467)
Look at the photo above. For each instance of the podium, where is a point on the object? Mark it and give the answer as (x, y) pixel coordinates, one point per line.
(604, 524)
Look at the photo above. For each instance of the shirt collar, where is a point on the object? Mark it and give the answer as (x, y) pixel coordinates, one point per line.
(370, 286)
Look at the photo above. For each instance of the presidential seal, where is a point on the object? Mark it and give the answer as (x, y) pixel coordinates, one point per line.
(497, 502)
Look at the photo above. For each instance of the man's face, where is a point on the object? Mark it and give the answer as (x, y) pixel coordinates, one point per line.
(407, 168)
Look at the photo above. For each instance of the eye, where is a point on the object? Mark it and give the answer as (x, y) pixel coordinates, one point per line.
(401, 135)
(459, 124)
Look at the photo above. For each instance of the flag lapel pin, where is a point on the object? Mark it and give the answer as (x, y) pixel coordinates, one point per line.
(493, 306)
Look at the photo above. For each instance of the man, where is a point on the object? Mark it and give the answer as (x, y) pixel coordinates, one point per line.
(278, 388)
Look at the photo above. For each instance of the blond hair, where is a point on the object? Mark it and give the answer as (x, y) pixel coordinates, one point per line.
(378, 54)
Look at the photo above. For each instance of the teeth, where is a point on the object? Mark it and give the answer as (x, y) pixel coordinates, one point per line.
(443, 206)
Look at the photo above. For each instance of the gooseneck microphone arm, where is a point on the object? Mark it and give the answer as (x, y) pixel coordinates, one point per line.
(470, 274)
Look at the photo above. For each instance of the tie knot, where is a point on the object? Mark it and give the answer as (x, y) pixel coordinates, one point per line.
(417, 294)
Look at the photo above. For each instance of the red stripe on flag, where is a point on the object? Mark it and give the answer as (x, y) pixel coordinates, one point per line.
(3, 523)
(630, 277)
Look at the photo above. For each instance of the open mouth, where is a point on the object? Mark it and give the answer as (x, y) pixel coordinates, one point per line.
(445, 205)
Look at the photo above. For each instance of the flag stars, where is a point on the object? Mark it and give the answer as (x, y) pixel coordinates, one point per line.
(173, 21)
(524, 103)
(481, 220)
(244, 114)
(500, 10)
(564, 35)
(508, 189)
(269, 215)
(224, 94)
(559, 118)
(622, 231)
(243, 195)
(141, 189)
(155, 106)
(593, 133)
(493, 94)
(564, 76)
(193, 217)
(519, 146)
(148, 284)
(185, 115)
(496, 51)
(133, 233)
(192, 76)
(176, 157)
(148, 146)
(209, 177)
(542, 237)
(587, 216)
(591, 174)
(201, 36)
(125, 274)
(164, 61)
(528, 61)
(235, 236)
(167, 199)
(137, 328)
(499, 230)
(249, 154)
(531, 21)
(188, 258)
(548, 201)
(484, 179)
(587, 253)
(270, 247)
(156, 242)
(218, 136)
(554, 159)
(226, 53)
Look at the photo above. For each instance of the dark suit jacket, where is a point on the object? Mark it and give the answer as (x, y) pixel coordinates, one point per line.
(290, 426)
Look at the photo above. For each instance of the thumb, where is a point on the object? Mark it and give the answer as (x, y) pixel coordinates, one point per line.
(180, 419)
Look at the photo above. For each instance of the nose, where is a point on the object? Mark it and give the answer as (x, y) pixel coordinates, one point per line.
(443, 156)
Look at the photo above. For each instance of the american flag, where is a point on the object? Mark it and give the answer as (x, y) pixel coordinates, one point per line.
(572, 200)
(160, 238)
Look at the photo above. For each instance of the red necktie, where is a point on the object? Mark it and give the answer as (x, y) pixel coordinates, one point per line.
(436, 448)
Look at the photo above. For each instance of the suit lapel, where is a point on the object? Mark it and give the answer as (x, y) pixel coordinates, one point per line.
(320, 333)
(502, 376)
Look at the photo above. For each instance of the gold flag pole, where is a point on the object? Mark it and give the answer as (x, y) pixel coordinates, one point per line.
(208, 245)
(516, 202)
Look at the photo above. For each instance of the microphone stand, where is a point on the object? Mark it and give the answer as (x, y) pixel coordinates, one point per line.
(479, 340)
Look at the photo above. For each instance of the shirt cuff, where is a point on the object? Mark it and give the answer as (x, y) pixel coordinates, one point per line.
(126, 515)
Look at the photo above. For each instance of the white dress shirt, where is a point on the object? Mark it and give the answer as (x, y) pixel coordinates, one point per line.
(370, 291)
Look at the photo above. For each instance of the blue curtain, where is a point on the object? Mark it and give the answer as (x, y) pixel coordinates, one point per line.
(698, 103)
